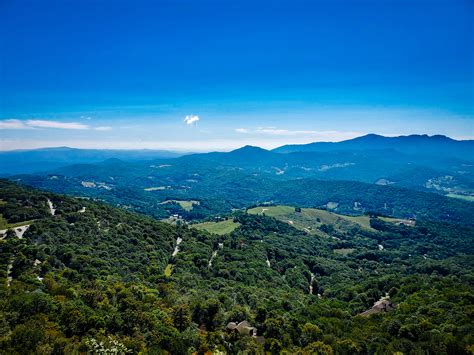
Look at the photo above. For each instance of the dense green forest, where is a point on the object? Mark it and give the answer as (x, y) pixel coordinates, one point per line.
(354, 181)
(220, 189)
(87, 277)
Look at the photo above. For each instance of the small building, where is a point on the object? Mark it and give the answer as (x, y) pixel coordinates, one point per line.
(383, 305)
(243, 327)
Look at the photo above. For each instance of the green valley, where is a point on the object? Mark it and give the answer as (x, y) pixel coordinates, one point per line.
(221, 227)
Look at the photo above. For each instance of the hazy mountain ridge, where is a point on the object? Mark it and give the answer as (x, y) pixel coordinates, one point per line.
(36, 160)
(249, 175)
(413, 144)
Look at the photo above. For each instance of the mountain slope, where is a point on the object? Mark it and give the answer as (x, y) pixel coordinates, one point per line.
(89, 278)
(437, 145)
(88, 236)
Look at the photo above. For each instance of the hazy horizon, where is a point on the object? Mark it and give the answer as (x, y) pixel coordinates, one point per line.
(237, 145)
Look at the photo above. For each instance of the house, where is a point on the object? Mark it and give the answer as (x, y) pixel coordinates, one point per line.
(383, 305)
(243, 327)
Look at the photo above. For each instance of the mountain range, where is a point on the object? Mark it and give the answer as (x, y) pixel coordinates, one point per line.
(437, 145)
(30, 161)
(426, 147)
(352, 181)
(343, 251)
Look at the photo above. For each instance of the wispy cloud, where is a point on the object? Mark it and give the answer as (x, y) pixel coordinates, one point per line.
(242, 130)
(12, 124)
(56, 124)
(283, 132)
(310, 134)
(103, 128)
(273, 131)
(190, 119)
(48, 124)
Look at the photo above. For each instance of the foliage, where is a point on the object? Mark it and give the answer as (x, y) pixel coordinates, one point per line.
(95, 280)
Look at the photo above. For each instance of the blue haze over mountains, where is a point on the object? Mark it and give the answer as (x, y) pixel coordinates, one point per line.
(412, 176)
(29, 161)
(432, 152)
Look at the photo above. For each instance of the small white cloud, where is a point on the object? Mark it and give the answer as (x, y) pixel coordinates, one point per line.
(103, 128)
(55, 124)
(190, 119)
(242, 130)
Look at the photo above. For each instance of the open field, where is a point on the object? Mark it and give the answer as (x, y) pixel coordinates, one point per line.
(185, 204)
(405, 222)
(272, 211)
(157, 188)
(363, 221)
(309, 219)
(344, 251)
(462, 197)
(221, 228)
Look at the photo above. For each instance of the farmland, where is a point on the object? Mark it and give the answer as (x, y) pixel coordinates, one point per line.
(220, 228)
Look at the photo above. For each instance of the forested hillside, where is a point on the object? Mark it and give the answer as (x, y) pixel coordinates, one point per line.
(220, 188)
(421, 177)
(87, 277)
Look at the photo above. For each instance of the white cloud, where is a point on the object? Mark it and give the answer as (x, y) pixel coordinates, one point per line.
(103, 128)
(55, 124)
(12, 124)
(47, 124)
(310, 135)
(190, 119)
(284, 132)
(273, 131)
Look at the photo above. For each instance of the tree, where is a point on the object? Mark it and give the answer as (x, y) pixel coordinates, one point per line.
(181, 317)
(310, 333)
(318, 348)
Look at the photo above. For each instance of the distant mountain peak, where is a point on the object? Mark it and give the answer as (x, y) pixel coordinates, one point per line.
(250, 149)
(372, 135)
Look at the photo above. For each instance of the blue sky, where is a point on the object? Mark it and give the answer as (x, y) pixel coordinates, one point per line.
(126, 74)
